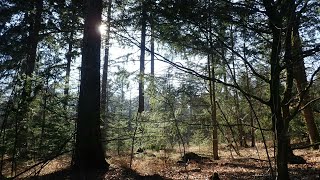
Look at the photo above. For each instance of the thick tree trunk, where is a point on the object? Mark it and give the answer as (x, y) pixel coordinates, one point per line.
(280, 125)
(89, 155)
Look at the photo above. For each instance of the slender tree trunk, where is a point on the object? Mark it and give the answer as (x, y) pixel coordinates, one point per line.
(211, 73)
(246, 17)
(241, 137)
(44, 114)
(104, 84)
(69, 54)
(89, 154)
(152, 84)
(238, 113)
(237, 106)
(213, 108)
(68, 69)
(152, 52)
(142, 58)
(27, 70)
(252, 129)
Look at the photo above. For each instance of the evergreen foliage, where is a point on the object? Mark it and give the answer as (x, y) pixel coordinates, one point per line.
(259, 59)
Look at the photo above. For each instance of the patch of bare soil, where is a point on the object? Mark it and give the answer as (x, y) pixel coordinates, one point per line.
(252, 163)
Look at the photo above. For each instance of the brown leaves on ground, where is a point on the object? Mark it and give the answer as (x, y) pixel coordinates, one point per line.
(252, 164)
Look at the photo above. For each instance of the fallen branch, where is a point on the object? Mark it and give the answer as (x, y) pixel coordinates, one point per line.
(306, 146)
(46, 160)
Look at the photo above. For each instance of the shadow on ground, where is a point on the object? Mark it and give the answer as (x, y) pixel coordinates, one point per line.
(119, 173)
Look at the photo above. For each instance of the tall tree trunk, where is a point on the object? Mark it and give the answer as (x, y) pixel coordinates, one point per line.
(211, 73)
(212, 89)
(68, 69)
(44, 115)
(252, 129)
(152, 52)
(104, 84)
(300, 77)
(28, 68)
(152, 84)
(142, 57)
(246, 18)
(238, 114)
(280, 125)
(89, 154)
(289, 78)
(69, 54)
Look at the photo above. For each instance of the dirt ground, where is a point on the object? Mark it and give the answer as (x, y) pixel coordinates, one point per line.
(252, 163)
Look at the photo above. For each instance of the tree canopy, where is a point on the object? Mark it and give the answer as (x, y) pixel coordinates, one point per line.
(166, 74)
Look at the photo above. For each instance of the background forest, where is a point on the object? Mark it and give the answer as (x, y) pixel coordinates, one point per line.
(98, 78)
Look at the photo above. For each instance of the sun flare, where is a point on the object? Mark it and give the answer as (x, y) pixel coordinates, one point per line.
(102, 29)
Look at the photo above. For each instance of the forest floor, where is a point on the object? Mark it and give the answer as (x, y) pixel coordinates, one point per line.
(252, 163)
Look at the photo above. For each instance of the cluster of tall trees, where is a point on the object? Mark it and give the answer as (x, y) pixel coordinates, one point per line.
(239, 71)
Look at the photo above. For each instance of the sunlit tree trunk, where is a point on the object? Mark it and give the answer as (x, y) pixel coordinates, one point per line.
(89, 154)
(300, 77)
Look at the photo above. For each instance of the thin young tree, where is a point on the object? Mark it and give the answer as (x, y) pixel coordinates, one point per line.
(142, 56)
(104, 83)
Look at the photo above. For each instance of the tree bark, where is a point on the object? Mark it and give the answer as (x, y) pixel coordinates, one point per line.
(152, 83)
(28, 67)
(104, 84)
(68, 69)
(142, 57)
(280, 125)
(89, 155)
(152, 53)
(213, 108)
(300, 77)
